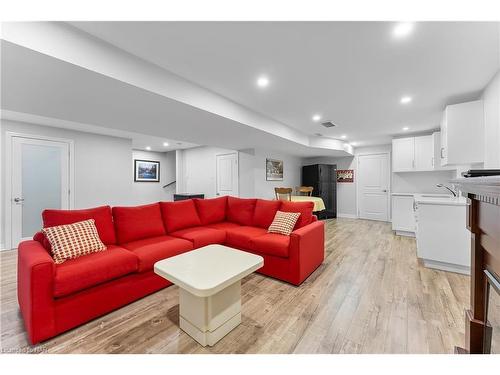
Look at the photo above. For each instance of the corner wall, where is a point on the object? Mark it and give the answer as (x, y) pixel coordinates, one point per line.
(197, 171)
(412, 182)
(103, 168)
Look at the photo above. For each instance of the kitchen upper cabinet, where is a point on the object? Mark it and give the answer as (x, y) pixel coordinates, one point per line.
(436, 160)
(403, 154)
(417, 154)
(424, 153)
(460, 125)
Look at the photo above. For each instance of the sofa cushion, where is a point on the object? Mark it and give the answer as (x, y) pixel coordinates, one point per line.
(138, 222)
(271, 244)
(305, 209)
(151, 250)
(240, 211)
(179, 215)
(78, 274)
(101, 215)
(201, 236)
(240, 237)
(265, 210)
(211, 210)
(224, 225)
(72, 241)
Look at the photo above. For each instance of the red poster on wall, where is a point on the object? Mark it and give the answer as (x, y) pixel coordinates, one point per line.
(345, 175)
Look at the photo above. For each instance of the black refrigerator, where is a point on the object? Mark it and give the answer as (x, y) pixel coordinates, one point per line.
(323, 178)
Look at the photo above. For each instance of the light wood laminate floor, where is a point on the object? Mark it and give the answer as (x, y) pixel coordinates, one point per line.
(371, 295)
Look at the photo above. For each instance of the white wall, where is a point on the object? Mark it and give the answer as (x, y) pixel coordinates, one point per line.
(147, 192)
(491, 100)
(197, 171)
(253, 173)
(103, 168)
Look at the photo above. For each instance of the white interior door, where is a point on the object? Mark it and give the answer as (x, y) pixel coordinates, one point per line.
(227, 174)
(40, 179)
(373, 187)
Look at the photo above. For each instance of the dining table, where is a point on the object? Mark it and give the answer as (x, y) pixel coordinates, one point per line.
(319, 205)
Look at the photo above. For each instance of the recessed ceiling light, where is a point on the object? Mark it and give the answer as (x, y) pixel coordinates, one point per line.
(148, 148)
(403, 29)
(406, 128)
(262, 81)
(343, 136)
(316, 118)
(405, 99)
(165, 144)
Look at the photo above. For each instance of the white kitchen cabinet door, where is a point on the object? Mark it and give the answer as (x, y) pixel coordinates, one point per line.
(403, 152)
(436, 161)
(461, 131)
(403, 215)
(443, 139)
(424, 153)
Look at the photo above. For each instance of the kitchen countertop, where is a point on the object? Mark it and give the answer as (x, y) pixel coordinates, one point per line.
(488, 186)
(435, 198)
(440, 199)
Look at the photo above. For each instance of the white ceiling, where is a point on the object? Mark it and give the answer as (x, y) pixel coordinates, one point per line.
(39, 88)
(353, 73)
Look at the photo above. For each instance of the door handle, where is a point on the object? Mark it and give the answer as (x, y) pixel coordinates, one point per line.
(17, 200)
(384, 191)
(442, 149)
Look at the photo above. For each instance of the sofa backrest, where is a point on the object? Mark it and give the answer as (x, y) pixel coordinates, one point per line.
(179, 215)
(211, 210)
(101, 215)
(126, 224)
(305, 209)
(138, 222)
(240, 210)
(264, 212)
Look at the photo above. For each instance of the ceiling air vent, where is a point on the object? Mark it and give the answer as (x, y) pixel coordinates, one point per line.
(328, 124)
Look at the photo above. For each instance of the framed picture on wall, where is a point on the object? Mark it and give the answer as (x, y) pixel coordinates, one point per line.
(345, 175)
(146, 171)
(274, 170)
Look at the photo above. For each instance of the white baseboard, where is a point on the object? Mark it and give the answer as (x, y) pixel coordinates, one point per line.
(2, 247)
(443, 266)
(347, 216)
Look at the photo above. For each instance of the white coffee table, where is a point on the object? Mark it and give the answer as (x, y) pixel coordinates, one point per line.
(209, 281)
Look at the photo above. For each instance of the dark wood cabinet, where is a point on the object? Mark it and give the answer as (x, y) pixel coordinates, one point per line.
(323, 178)
(483, 220)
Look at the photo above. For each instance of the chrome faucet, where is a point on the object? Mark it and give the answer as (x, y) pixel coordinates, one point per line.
(450, 189)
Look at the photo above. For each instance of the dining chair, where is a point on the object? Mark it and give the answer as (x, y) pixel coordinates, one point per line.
(304, 190)
(283, 194)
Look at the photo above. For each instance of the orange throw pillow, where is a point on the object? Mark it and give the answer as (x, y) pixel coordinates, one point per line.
(73, 240)
(284, 222)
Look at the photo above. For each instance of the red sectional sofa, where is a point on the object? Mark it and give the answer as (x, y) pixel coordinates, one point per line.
(55, 298)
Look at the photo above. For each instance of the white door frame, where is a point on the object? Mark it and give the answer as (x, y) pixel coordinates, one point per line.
(389, 184)
(8, 176)
(237, 170)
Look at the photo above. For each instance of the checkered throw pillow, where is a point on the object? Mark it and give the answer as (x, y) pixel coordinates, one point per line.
(73, 240)
(284, 222)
